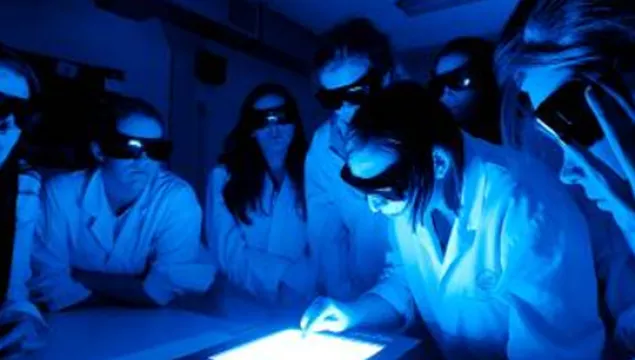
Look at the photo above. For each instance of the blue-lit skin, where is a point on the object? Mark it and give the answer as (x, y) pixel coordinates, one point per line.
(462, 103)
(24, 336)
(598, 170)
(274, 139)
(125, 179)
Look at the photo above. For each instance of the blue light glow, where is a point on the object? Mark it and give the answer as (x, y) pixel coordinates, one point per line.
(290, 345)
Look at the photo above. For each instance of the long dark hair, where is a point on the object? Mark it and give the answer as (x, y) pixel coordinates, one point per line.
(245, 163)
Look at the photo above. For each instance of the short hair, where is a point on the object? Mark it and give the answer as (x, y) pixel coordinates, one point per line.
(480, 51)
(577, 34)
(12, 60)
(412, 121)
(114, 108)
(358, 36)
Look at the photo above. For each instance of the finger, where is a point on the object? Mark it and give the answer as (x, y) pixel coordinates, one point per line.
(319, 323)
(311, 314)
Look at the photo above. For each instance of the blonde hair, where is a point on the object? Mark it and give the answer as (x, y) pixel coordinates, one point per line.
(577, 34)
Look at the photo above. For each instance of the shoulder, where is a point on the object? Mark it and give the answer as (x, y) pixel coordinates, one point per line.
(170, 187)
(321, 138)
(67, 182)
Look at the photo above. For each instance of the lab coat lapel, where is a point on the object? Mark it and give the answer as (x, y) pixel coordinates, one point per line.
(97, 216)
(287, 231)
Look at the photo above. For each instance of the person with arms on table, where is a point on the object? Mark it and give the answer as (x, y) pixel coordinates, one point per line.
(21, 323)
(483, 253)
(348, 241)
(126, 231)
(568, 63)
(256, 212)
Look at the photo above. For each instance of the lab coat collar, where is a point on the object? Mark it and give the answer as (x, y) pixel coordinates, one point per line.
(474, 179)
(337, 142)
(98, 216)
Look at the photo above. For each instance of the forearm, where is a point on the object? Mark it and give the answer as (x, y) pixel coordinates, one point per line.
(124, 288)
(374, 311)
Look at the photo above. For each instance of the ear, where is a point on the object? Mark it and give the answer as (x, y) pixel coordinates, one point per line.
(97, 153)
(442, 162)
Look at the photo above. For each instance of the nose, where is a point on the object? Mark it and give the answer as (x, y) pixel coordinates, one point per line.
(274, 130)
(375, 203)
(570, 172)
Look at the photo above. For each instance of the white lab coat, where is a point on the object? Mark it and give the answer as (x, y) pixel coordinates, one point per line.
(517, 279)
(614, 262)
(258, 256)
(349, 241)
(159, 235)
(17, 303)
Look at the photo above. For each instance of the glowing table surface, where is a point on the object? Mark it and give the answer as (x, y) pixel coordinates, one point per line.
(128, 334)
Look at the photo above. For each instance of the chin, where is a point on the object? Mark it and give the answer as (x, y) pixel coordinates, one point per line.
(393, 210)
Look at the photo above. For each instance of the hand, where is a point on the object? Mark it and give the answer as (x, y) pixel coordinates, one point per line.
(328, 315)
(23, 337)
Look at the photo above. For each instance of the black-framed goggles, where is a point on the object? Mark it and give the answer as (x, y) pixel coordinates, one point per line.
(462, 78)
(262, 118)
(391, 184)
(127, 147)
(567, 114)
(356, 93)
(20, 108)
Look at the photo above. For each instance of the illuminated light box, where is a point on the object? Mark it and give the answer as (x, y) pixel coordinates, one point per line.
(289, 344)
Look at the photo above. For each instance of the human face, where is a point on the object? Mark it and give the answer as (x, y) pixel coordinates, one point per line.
(14, 93)
(275, 131)
(341, 76)
(372, 161)
(131, 176)
(595, 167)
(456, 86)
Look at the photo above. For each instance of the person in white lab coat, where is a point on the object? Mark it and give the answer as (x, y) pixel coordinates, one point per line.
(126, 231)
(21, 324)
(256, 213)
(349, 241)
(485, 253)
(573, 86)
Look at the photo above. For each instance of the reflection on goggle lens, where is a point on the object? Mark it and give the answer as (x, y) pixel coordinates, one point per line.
(266, 117)
(463, 78)
(567, 115)
(356, 93)
(124, 147)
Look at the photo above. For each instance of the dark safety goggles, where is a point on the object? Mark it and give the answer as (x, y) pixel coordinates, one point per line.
(391, 184)
(356, 93)
(12, 105)
(127, 147)
(463, 78)
(567, 114)
(262, 118)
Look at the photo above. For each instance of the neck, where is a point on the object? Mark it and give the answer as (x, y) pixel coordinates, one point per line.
(118, 200)
(446, 198)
